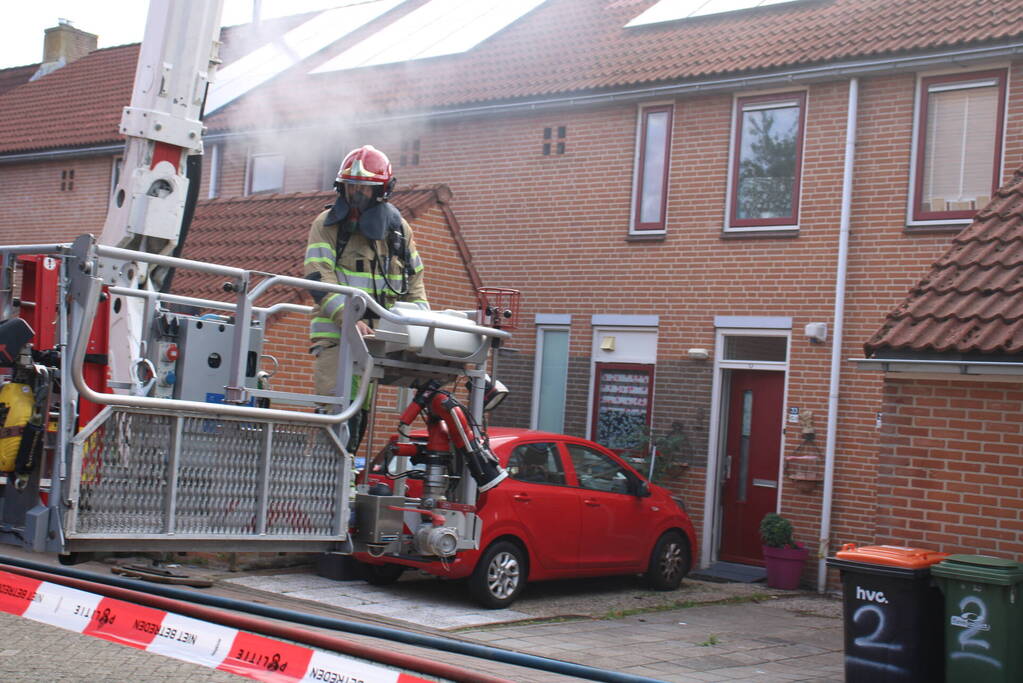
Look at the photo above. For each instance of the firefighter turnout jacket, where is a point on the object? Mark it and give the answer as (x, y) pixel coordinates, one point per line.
(360, 264)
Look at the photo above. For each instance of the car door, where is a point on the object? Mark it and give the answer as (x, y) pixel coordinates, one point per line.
(537, 494)
(614, 520)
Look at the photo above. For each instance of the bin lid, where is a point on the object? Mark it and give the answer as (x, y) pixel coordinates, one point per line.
(891, 555)
(981, 569)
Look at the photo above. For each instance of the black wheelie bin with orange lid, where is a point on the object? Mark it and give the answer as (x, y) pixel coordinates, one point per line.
(892, 614)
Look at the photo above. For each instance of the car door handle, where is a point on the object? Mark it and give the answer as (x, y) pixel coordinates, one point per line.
(592, 502)
(522, 497)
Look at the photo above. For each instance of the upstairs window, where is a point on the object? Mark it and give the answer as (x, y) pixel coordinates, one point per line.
(766, 161)
(959, 144)
(266, 173)
(651, 172)
(549, 146)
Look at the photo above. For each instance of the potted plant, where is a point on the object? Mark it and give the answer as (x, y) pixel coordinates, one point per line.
(783, 556)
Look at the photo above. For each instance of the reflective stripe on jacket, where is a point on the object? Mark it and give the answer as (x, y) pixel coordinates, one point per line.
(360, 266)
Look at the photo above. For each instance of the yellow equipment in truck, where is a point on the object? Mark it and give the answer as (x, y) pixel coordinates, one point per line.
(16, 403)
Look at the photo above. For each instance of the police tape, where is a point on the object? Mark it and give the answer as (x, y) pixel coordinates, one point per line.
(183, 638)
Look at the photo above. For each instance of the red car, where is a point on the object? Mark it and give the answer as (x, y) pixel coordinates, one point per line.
(569, 508)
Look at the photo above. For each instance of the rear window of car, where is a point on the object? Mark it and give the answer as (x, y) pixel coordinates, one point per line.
(537, 463)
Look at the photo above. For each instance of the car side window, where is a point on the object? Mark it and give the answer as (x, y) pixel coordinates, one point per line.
(537, 463)
(597, 471)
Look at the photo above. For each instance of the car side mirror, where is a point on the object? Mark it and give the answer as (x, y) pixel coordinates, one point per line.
(640, 488)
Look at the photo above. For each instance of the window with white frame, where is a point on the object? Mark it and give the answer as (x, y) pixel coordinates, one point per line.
(550, 378)
(651, 174)
(959, 144)
(767, 160)
(115, 173)
(266, 173)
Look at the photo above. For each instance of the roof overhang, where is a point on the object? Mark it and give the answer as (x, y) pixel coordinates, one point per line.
(947, 368)
(887, 64)
(62, 153)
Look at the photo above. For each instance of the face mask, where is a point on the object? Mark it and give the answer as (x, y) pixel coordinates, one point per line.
(358, 197)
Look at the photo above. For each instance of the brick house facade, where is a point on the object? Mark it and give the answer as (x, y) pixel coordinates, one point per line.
(600, 176)
(949, 459)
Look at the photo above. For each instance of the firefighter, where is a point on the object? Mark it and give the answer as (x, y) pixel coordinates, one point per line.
(363, 242)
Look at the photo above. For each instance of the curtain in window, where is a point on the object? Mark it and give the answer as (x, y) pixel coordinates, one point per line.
(553, 381)
(959, 154)
(654, 160)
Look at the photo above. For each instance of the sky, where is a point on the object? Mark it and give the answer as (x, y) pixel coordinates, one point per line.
(116, 22)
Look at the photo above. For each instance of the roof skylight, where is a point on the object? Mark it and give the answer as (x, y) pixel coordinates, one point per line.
(440, 27)
(265, 62)
(672, 10)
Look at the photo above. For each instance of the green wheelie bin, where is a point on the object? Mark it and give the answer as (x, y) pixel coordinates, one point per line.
(983, 618)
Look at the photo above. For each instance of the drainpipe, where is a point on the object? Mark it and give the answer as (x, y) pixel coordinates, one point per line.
(836, 340)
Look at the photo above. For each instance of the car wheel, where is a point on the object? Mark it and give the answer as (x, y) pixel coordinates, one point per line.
(382, 574)
(499, 576)
(669, 562)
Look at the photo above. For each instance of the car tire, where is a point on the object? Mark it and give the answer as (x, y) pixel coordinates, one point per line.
(669, 562)
(382, 574)
(499, 576)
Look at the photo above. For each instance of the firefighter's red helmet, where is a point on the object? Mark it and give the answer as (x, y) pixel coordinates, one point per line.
(366, 165)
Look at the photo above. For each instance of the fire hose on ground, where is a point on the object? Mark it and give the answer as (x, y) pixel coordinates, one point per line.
(189, 603)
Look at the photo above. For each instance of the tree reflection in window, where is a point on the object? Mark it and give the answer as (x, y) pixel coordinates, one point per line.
(767, 166)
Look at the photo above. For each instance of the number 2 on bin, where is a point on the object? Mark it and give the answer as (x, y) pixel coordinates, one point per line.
(976, 622)
(873, 639)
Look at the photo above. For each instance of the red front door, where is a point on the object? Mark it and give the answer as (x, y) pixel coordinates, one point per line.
(752, 457)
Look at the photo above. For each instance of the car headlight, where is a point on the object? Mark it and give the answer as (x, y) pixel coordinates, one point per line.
(681, 504)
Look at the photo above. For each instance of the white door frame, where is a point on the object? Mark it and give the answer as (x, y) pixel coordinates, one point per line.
(734, 326)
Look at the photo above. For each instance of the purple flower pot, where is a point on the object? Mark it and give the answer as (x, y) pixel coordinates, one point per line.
(784, 566)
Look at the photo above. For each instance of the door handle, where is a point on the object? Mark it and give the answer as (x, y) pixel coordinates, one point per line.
(592, 502)
(521, 497)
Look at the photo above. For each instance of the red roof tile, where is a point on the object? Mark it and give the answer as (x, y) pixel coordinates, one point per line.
(15, 76)
(81, 103)
(268, 233)
(972, 299)
(531, 57)
(77, 105)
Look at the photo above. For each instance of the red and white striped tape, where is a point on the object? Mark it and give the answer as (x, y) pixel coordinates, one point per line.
(184, 638)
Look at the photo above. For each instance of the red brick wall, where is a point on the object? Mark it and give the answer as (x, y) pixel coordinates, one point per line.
(950, 475)
(555, 227)
(34, 209)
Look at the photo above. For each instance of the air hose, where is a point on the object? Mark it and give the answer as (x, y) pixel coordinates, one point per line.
(247, 623)
(331, 623)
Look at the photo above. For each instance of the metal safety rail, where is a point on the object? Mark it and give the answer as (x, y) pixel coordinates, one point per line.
(152, 473)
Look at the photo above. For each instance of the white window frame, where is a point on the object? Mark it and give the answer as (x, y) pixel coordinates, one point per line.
(733, 153)
(213, 189)
(563, 324)
(250, 168)
(116, 169)
(637, 171)
(915, 151)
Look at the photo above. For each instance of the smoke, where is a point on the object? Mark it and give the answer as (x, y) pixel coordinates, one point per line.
(313, 119)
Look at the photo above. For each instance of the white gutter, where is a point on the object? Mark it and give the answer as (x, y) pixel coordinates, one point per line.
(852, 68)
(951, 368)
(836, 341)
